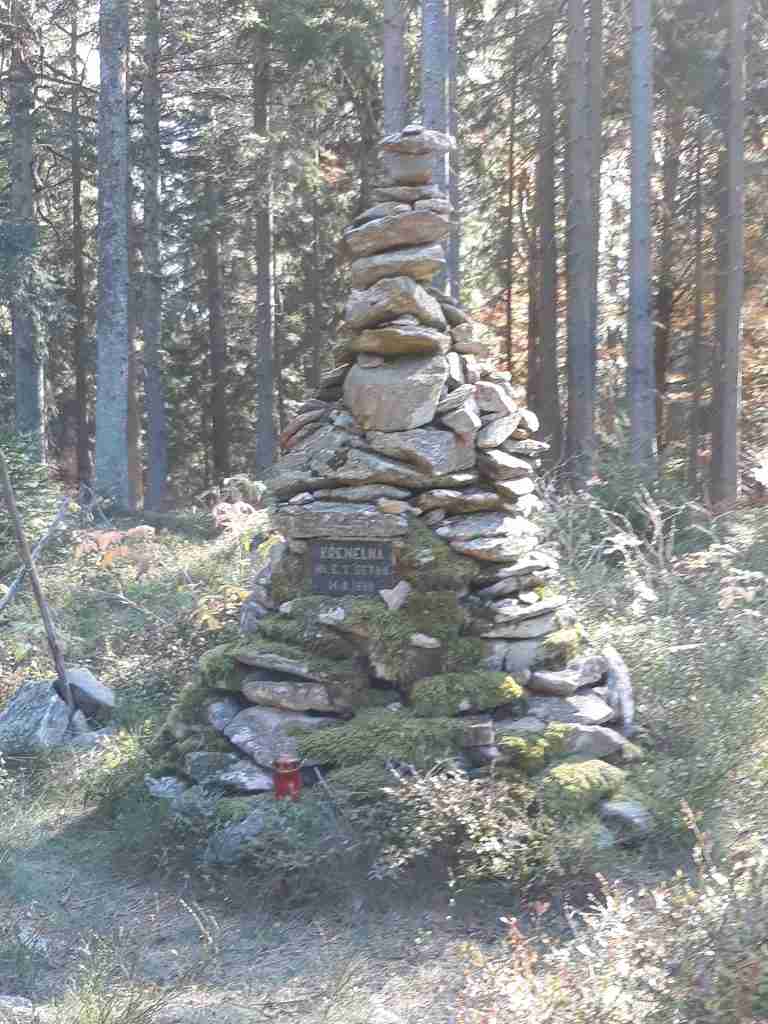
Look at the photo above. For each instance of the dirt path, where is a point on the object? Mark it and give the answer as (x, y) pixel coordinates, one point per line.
(375, 958)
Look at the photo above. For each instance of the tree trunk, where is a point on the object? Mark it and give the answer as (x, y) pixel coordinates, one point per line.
(395, 84)
(27, 340)
(434, 75)
(596, 153)
(509, 239)
(642, 405)
(725, 486)
(217, 341)
(135, 472)
(266, 433)
(694, 427)
(580, 436)
(79, 341)
(720, 232)
(154, 390)
(665, 286)
(548, 408)
(112, 476)
(454, 164)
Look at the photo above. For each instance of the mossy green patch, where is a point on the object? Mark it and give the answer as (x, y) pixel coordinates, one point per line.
(535, 753)
(382, 735)
(344, 677)
(232, 809)
(428, 563)
(454, 692)
(362, 782)
(562, 646)
(290, 578)
(574, 787)
(219, 668)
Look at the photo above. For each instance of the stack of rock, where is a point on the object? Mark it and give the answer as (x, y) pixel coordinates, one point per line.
(411, 442)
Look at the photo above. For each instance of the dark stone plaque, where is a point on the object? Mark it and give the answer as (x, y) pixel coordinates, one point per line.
(351, 566)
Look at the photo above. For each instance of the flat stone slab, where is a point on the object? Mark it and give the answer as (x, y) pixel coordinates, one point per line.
(406, 193)
(386, 209)
(255, 657)
(495, 398)
(366, 494)
(290, 696)
(593, 741)
(456, 398)
(554, 684)
(390, 298)
(525, 630)
(245, 777)
(465, 419)
(629, 815)
(510, 611)
(339, 521)
(582, 709)
(500, 465)
(203, 765)
(435, 452)
(497, 430)
(421, 263)
(523, 727)
(417, 227)
(485, 524)
(495, 549)
(359, 467)
(513, 490)
(458, 501)
(262, 733)
(396, 339)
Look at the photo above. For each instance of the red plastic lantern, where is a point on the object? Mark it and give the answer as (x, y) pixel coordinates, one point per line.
(287, 778)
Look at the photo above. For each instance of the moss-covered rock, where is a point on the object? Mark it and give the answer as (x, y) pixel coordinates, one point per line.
(290, 578)
(454, 692)
(576, 786)
(533, 754)
(562, 646)
(428, 563)
(382, 735)
(362, 782)
(231, 809)
(219, 668)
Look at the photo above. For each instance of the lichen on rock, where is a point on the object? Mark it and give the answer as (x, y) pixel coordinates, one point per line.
(577, 786)
(453, 693)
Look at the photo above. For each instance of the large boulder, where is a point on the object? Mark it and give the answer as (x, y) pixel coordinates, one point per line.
(342, 521)
(34, 721)
(230, 845)
(396, 396)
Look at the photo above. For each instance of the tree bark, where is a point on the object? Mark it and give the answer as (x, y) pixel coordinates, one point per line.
(725, 486)
(580, 434)
(217, 341)
(79, 341)
(509, 239)
(27, 340)
(548, 408)
(266, 432)
(665, 286)
(454, 162)
(694, 427)
(154, 390)
(641, 373)
(434, 75)
(112, 476)
(596, 154)
(395, 84)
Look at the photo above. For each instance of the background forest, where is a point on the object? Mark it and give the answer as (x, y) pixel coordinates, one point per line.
(608, 200)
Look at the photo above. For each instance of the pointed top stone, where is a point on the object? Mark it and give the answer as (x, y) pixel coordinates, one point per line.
(415, 140)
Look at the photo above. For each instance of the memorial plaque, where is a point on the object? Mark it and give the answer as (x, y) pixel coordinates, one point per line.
(351, 566)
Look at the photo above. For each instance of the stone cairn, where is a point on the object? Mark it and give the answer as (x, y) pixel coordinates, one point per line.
(406, 606)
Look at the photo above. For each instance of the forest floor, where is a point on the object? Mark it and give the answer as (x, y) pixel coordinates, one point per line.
(104, 921)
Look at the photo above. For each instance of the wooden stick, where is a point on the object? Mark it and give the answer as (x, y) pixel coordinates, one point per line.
(14, 587)
(26, 557)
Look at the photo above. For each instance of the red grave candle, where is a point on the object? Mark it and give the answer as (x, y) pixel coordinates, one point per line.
(287, 778)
